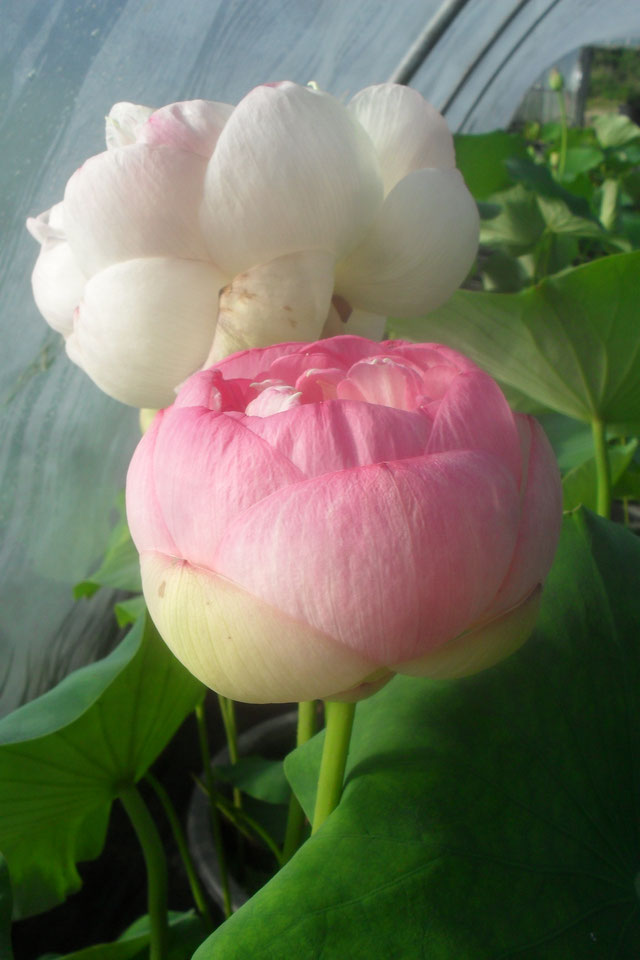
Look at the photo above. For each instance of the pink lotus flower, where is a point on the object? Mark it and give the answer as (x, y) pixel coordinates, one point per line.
(205, 229)
(312, 518)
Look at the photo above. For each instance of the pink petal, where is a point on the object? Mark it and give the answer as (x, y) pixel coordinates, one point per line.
(392, 559)
(321, 438)
(256, 364)
(383, 381)
(146, 520)
(208, 469)
(540, 519)
(316, 385)
(427, 355)
(480, 647)
(207, 388)
(273, 400)
(296, 365)
(239, 646)
(474, 415)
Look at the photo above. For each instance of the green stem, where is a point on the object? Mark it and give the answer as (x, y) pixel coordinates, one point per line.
(609, 203)
(562, 162)
(181, 843)
(216, 833)
(228, 713)
(339, 722)
(603, 468)
(156, 864)
(247, 825)
(307, 715)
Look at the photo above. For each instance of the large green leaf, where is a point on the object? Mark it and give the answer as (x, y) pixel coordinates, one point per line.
(570, 343)
(6, 910)
(64, 757)
(490, 818)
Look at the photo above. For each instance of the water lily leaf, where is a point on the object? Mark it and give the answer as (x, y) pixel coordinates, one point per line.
(6, 910)
(259, 777)
(120, 566)
(64, 756)
(580, 485)
(491, 818)
(570, 343)
(186, 932)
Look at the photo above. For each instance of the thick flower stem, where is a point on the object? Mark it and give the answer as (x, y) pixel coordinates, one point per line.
(603, 468)
(339, 723)
(295, 820)
(156, 864)
(183, 848)
(213, 810)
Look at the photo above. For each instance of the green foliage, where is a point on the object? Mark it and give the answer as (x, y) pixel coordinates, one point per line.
(566, 196)
(65, 756)
(491, 817)
(6, 910)
(569, 343)
(258, 777)
(186, 931)
(580, 484)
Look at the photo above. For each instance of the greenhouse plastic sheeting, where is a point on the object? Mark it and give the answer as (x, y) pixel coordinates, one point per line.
(64, 446)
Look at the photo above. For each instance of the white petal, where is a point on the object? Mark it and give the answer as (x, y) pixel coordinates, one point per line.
(240, 646)
(193, 125)
(419, 250)
(286, 299)
(292, 171)
(136, 201)
(407, 132)
(144, 326)
(124, 122)
(58, 283)
(48, 225)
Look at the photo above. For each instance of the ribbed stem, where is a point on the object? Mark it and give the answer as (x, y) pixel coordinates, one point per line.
(183, 849)
(216, 833)
(603, 468)
(156, 864)
(228, 713)
(339, 723)
(307, 716)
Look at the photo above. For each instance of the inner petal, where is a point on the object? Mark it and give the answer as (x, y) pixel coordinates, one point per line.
(383, 381)
(322, 438)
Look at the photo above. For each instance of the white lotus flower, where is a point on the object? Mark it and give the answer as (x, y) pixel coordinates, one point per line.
(205, 229)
